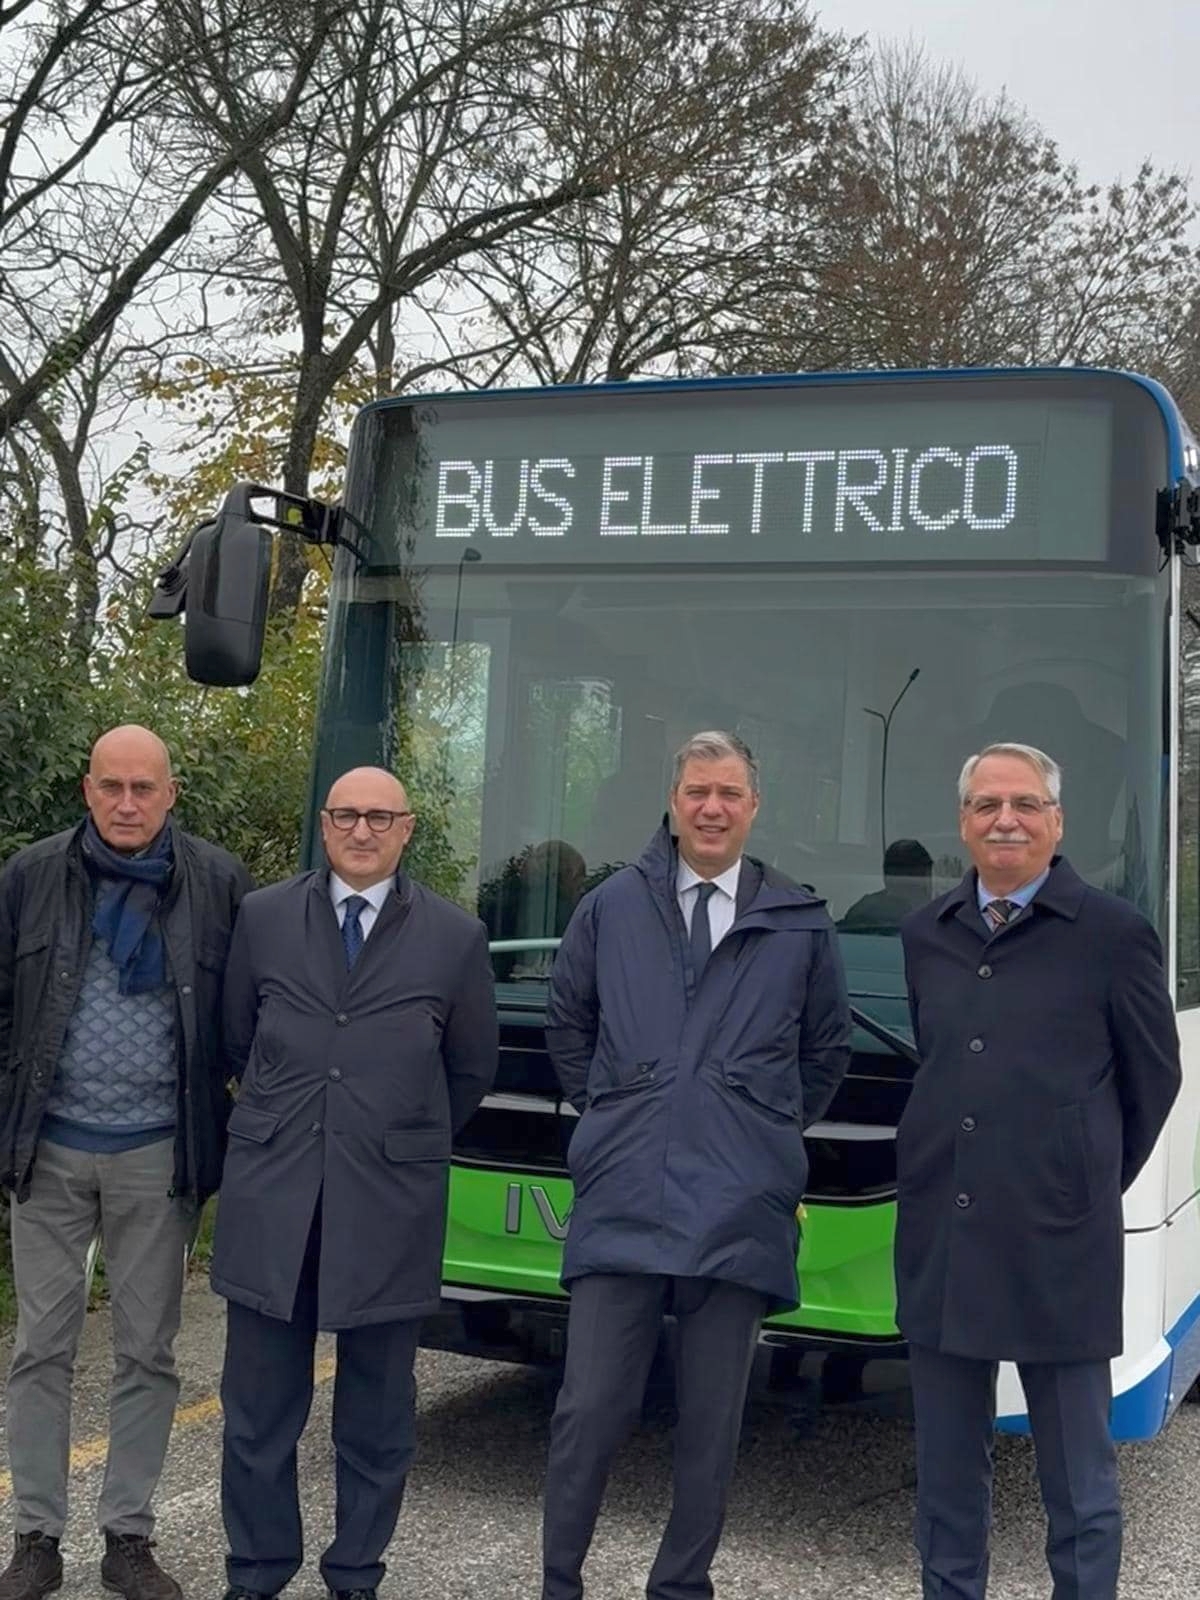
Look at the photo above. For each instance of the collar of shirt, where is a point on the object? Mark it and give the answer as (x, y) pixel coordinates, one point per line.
(1020, 897)
(727, 882)
(375, 896)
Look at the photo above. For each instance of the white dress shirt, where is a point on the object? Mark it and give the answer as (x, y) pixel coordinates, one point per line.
(375, 897)
(722, 906)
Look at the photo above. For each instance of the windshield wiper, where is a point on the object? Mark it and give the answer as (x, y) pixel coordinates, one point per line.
(894, 1041)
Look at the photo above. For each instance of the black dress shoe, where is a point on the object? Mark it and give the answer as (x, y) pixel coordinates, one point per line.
(236, 1593)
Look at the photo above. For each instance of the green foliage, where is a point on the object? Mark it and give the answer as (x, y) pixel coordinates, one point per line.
(44, 710)
(242, 756)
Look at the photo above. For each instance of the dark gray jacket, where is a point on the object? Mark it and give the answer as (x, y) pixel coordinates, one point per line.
(1049, 1062)
(353, 1084)
(689, 1158)
(46, 902)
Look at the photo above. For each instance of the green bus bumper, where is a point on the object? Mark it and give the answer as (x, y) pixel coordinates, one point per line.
(504, 1243)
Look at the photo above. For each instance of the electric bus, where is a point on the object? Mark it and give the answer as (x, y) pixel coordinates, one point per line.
(538, 594)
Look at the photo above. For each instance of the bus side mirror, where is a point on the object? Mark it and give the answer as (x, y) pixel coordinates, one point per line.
(225, 618)
(221, 578)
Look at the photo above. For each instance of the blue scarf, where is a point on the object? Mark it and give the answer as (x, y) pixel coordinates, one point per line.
(127, 901)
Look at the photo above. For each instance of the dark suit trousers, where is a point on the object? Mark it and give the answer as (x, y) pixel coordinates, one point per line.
(955, 1405)
(612, 1333)
(266, 1391)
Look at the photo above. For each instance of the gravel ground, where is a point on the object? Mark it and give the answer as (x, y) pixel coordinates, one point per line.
(821, 1510)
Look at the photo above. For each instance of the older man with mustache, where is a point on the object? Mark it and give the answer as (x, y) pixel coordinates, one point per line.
(1049, 1062)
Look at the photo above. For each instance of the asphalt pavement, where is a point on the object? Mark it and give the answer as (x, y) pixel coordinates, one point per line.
(822, 1504)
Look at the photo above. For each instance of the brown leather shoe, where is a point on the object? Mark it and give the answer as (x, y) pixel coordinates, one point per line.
(129, 1568)
(35, 1569)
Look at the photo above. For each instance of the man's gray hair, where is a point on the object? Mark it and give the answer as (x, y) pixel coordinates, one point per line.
(1051, 772)
(714, 746)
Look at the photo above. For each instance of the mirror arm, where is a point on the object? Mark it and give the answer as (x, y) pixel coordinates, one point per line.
(170, 585)
(317, 523)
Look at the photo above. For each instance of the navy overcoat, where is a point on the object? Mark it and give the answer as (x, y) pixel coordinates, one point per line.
(352, 1084)
(689, 1156)
(1049, 1062)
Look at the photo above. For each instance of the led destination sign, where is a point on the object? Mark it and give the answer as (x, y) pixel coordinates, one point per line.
(883, 490)
(771, 475)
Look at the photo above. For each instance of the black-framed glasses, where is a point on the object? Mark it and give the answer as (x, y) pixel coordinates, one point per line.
(345, 818)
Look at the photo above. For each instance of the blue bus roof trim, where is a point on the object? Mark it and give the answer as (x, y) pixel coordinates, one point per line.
(1178, 435)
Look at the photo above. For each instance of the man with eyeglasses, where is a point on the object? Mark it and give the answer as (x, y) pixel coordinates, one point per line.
(113, 1104)
(1049, 1063)
(361, 1022)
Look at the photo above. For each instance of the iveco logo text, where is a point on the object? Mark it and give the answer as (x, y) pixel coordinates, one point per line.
(555, 1226)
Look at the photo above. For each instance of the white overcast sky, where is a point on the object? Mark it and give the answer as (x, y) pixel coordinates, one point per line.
(1112, 81)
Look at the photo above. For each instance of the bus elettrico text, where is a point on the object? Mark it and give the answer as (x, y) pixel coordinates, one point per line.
(538, 594)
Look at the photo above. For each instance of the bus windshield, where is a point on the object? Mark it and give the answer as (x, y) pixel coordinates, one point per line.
(535, 717)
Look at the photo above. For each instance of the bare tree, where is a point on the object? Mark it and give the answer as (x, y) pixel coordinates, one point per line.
(77, 85)
(955, 235)
(703, 130)
(407, 162)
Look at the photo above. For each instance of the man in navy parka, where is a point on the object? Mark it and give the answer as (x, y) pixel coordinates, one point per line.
(698, 1021)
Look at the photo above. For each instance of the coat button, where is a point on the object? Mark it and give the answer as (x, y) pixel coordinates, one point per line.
(962, 1201)
(975, 1046)
(315, 1128)
(185, 988)
(341, 1019)
(985, 971)
(64, 975)
(336, 1074)
(967, 1124)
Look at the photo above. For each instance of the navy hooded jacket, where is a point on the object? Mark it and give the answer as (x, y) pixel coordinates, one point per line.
(689, 1157)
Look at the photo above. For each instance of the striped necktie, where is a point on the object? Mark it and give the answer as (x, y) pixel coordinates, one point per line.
(998, 912)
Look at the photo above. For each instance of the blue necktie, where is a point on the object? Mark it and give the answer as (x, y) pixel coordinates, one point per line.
(352, 934)
(701, 932)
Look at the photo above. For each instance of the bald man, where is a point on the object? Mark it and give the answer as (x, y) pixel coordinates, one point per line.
(361, 1020)
(113, 1106)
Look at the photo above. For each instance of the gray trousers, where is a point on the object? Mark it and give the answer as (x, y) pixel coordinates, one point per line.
(612, 1332)
(121, 1200)
(954, 1400)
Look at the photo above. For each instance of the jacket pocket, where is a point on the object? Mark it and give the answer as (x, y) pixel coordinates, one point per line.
(248, 1122)
(416, 1144)
(31, 942)
(1074, 1158)
(773, 1090)
(636, 1076)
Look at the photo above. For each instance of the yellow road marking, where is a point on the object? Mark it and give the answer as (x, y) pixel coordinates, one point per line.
(90, 1452)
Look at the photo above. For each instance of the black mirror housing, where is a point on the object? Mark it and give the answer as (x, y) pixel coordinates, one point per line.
(221, 578)
(228, 579)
